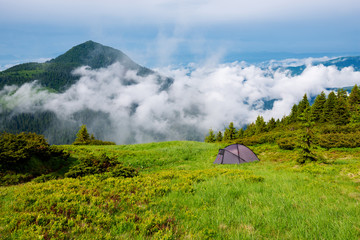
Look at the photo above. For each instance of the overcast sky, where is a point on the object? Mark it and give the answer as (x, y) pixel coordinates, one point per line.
(161, 32)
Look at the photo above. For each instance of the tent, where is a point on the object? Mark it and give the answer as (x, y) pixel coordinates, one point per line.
(235, 154)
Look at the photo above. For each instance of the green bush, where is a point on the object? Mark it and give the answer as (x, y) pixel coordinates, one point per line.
(288, 143)
(24, 156)
(338, 140)
(95, 165)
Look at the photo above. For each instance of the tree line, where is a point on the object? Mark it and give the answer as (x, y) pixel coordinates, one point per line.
(335, 109)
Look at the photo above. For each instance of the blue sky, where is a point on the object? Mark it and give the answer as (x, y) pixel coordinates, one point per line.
(163, 32)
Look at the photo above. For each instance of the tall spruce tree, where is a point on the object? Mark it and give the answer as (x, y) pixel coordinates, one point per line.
(260, 125)
(219, 136)
(232, 131)
(341, 113)
(341, 93)
(293, 117)
(303, 104)
(329, 107)
(354, 98)
(318, 107)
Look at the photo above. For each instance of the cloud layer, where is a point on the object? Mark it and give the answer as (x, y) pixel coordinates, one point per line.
(201, 97)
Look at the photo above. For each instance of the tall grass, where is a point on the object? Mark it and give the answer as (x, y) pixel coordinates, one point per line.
(181, 194)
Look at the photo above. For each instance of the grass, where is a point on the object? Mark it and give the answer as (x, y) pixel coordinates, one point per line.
(181, 194)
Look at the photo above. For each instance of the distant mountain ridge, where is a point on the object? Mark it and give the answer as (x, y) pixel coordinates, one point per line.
(340, 63)
(57, 73)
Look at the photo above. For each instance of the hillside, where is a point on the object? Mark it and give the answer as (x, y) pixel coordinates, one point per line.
(56, 77)
(57, 73)
(180, 194)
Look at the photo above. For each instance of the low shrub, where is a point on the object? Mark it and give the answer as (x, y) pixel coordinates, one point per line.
(338, 140)
(100, 164)
(24, 156)
(288, 143)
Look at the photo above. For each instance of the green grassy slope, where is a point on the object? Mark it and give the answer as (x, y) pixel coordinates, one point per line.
(181, 194)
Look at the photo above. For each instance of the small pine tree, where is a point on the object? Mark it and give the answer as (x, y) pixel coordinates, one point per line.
(293, 117)
(232, 133)
(306, 138)
(318, 107)
(210, 138)
(303, 104)
(354, 98)
(240, 133)
(260, 125)
(329, 107)
(271, 124)
(341, 114)
(219, 136)
(82, 137)
(250, 130)
(341, 93)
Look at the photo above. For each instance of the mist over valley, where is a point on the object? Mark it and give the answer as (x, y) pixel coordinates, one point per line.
(124, 102)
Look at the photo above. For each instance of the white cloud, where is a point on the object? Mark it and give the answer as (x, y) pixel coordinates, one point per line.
(200, 98)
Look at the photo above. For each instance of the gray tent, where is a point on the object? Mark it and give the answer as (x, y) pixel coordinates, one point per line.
(235, 154)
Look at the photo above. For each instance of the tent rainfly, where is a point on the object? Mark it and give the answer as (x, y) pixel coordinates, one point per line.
(235, 154)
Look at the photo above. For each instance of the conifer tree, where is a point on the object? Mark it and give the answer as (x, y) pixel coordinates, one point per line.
(231, 132)
(354, 98)
(260, 125)
(82, 137)
(226, 136)
(303, 104)
(306, 138)
(250, 130)
(341, 114)
(219, 136)
(329, 107)
(240, 133)
(318, 107)
(210, 138)
(341, 93)
(271, 124)
(293, 117)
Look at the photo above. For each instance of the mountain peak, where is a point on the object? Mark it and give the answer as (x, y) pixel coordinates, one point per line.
(95, 55)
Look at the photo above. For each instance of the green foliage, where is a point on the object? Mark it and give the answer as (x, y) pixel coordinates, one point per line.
(288, 143)
(354, 99)
(329, 107)
(210, 138)
(182, 195)
(333, 111)
(27, 155)
(341, 114)
(230, 132)
(219, 136)
(318, 107)
(303, 104)
(306, 138)
(260, 125)
(90, 165)
(84, 138)
(17, 150)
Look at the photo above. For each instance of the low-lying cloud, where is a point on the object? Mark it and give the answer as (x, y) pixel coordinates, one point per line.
(200, 98)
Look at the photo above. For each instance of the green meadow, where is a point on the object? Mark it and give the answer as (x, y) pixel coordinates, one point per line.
(180, 194)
